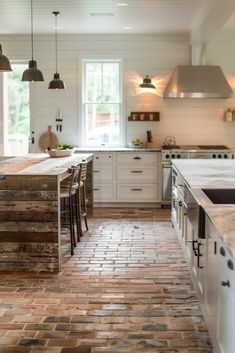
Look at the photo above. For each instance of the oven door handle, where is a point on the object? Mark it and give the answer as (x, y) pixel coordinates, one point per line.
(166, 165)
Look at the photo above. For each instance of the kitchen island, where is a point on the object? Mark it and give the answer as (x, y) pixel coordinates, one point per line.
(203, 213)
(30, 231)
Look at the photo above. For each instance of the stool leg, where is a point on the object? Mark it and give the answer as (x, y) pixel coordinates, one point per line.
(77, 216)
(78, 195)
(74, 220)
(71, 224)
(84, 205)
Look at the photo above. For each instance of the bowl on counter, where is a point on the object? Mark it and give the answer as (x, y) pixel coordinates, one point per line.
(135, 145)
(55, 153)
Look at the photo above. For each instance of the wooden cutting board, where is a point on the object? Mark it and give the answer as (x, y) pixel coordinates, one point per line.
(48, 139)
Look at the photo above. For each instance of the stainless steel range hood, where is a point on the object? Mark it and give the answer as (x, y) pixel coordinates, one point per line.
(198, 81)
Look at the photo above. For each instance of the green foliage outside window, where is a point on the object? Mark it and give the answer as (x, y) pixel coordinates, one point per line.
(18, 102)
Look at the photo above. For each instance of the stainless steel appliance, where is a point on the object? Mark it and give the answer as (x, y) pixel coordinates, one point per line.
(183, 152)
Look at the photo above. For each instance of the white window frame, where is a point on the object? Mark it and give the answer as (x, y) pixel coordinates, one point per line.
(82, 140)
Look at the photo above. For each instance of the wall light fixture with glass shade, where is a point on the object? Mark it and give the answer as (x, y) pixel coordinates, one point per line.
(56, 83)
(5, 65)
(32, 74)
(147, 83)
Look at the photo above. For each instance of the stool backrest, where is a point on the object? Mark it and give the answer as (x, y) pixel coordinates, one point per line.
(83, 171)
(71, 183)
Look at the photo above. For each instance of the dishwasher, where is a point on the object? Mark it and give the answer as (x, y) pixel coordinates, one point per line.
(166, 183)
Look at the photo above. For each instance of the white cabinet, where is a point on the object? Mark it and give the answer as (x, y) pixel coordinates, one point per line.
(127, 177)
(226, 301)
(137, 193)
(104, 171)
(211, 277)
(138, 177)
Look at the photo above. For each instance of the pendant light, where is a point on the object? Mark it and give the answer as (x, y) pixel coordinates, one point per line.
(147, 83)
(56, 83)
(32, 73)
(5, 65)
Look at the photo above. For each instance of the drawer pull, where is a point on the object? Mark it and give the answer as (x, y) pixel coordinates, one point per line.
(96, 171)
(136, 158)
(137, 171)
(225, 283)
(96, 189)
(136, 189)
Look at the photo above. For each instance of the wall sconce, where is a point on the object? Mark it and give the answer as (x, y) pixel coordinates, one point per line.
(147, 83)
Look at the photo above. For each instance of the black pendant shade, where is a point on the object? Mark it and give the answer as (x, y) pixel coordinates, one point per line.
(5, 65)
(56, 83)
(147, 83)
(32, 74)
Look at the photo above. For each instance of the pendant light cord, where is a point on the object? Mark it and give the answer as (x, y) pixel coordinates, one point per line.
(56, 66)
(32, 27)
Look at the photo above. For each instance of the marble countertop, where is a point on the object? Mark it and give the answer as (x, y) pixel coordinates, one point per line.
(201, 174)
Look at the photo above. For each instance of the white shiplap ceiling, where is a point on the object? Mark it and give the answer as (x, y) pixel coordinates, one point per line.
(143, 16)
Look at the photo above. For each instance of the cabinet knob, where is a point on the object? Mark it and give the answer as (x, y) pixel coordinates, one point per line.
(222, 251)
(230, 264)
(180, 203)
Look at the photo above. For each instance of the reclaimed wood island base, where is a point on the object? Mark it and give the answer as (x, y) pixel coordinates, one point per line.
(30, 210)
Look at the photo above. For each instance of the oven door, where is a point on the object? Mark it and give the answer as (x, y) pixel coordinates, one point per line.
(166, 182)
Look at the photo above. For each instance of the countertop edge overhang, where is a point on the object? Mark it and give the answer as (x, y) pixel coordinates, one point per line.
(45, 166)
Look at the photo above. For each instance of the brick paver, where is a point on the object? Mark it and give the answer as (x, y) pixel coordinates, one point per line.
(127, 289)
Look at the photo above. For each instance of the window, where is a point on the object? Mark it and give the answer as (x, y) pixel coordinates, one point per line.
(102, 103)
(17, 114)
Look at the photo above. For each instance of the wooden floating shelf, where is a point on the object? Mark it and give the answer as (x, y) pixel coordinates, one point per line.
(144, 116)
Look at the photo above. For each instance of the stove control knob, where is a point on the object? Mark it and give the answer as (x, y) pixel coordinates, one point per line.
(167, 156)
(219, 156)
(213, 155)
(225, 156)
(178, 156)
(173, 155)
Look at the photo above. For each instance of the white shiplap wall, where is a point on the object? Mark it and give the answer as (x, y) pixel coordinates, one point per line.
(190, 121)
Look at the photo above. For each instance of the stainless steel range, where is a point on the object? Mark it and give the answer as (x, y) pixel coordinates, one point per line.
(187, 151)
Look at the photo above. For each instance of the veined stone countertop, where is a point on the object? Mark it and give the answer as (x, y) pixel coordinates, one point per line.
(118, 149)
(207, 173)
(212, 174)
(223, 217)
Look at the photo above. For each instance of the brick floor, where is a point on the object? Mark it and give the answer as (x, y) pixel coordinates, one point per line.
(127, 289)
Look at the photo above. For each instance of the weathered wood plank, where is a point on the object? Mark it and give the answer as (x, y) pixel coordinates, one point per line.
(29, 216)
(27, 267)
(23, 195)
(28, 182)
(27, 251)
(24, 227)
(29, 206)
(30, 237)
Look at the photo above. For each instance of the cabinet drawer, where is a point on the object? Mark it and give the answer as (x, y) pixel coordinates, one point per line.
(137, 173)
(103, 173)
(135, 158)
(137, 192)
(103, 158)
(103, 192)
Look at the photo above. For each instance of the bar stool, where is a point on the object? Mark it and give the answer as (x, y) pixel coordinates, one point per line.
(68, 192)
(81, 196)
